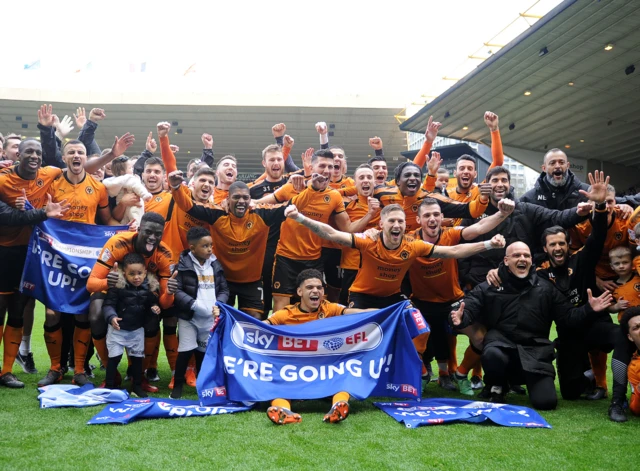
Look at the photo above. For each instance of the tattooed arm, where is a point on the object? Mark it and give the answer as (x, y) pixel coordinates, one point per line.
(323, 230)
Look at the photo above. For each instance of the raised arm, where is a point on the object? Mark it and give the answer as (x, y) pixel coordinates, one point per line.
(430, 135)
(505, 206)
(168, 158)
(207, 150)
(182, 196)
(50, 151)
(323, 230)
(497, 155)
(467, 250)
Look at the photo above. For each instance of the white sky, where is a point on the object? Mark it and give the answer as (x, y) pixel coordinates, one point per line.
(395, 51)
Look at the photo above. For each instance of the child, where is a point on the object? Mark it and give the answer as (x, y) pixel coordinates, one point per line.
(201, 284)
(123, 182)
(126, 309)
(630, 325)
(627, 294)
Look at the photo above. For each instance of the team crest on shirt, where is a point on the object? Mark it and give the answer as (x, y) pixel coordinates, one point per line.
(414, 208)
(249, 224)
(618, 235)
(327, 198)
(321, 315)
(404, 255)
(39, 182)
(636, 287)
(153, 266)
(276, 285)
(570, 271)
(106, 255)
(158, 199)
(89, 190)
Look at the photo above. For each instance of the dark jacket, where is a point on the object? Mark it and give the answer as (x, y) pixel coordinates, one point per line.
(559, 198)
(519, 314)
(14, 217)
(188, 285)
(526, 224)
(133, 305)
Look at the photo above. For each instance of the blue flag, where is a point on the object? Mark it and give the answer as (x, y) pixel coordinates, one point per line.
(157, 408)
(446, 411)
(364, 354)
(59, 260)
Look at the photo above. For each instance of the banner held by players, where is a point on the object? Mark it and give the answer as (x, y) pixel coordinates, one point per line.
(363, 354)
(60, 257)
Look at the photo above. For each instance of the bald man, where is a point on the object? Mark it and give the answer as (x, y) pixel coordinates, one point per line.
(517, 316)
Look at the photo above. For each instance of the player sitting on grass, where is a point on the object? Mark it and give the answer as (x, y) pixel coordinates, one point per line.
(311, 307)
(127, 308)
(201, 284)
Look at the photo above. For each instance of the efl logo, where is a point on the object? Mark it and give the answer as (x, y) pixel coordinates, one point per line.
(418, 319)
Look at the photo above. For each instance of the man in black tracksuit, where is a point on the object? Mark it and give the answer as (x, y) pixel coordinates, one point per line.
(518, 317)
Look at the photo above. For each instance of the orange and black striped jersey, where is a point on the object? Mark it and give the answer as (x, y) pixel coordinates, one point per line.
(239, 243)
(292, 314)
(382, 269)
(450, 208)
(296, 241)
(179, 222)
(11, 186)
(85, 198)
(629, 291)
(160, 263)
(356, 210)
(436, 279)
(617, 236)
(159, 203)
(265, 187)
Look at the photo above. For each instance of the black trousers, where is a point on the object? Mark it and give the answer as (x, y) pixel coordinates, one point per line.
(502, 365)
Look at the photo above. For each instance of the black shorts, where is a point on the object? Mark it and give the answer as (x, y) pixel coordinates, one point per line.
(285, 272)
(331, 262)
(250, 296)
(365, 301)
(348, 277)
(13, 259)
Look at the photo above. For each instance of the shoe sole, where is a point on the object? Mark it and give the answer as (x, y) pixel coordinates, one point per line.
(279, 417)
(338, 413)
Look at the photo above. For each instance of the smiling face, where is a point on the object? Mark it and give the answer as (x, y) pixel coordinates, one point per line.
(227, 171)
(239, 202)
(364, 181)
(75, 156)
(430, 219)
(556, 165)
(393, 225)
(135, 273)
(338, 155)
(409, 181)
(311, 293)
(557, 248)
(518, 259)
(152, 177)
(203, 186)
(499, 187)
(11, 148)
(465, 174)
(634, 330)
(149, 237)
(321, 175)
(273, 164)
(30, 156)
(380, 171)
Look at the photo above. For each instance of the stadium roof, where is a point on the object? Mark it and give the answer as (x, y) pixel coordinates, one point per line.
(242, 131)
(583, 98)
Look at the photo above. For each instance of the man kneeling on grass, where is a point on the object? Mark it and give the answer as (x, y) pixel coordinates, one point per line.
(312, 306)
(630, 325)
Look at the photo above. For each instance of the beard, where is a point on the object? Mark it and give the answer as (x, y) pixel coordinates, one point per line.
(557, 184)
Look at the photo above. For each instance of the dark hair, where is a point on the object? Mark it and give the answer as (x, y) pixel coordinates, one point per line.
(468, 157)
(5, 141)
(629, 314)
(152, 217)
(205, 171)
(23, 143)
(323, 153)
(119, 165)
(398, 171)
(496, 170)
(553, 230)
(427, 202)
(376, 158)
(72, 142)
(308, 274)
(238, 185)
(154, 161)
(196, 233)
(131, 259)
(226, 157)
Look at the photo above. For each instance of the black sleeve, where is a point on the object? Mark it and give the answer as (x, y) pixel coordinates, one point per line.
(272, 216)
(541, 217)
(566, 314)
(14, 217)
(589, 256)
(528, 197)
(182, 300)
(454, 210)
(209, 215)
(222, 289)
(473, 305)
(138, 167)
(51, 155)
(87, 137)
(207, 157)
(110, 305)
(631, 200)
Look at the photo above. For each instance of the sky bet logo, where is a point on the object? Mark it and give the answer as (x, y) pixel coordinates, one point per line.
(258, 340)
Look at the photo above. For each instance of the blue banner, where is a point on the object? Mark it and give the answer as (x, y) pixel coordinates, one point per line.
(156, 408)
(364, 354)
(68, 395)
(446, 411)
(59, 260)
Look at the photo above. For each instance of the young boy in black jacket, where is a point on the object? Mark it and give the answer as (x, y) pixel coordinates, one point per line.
(126, 308)
(201, 284)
